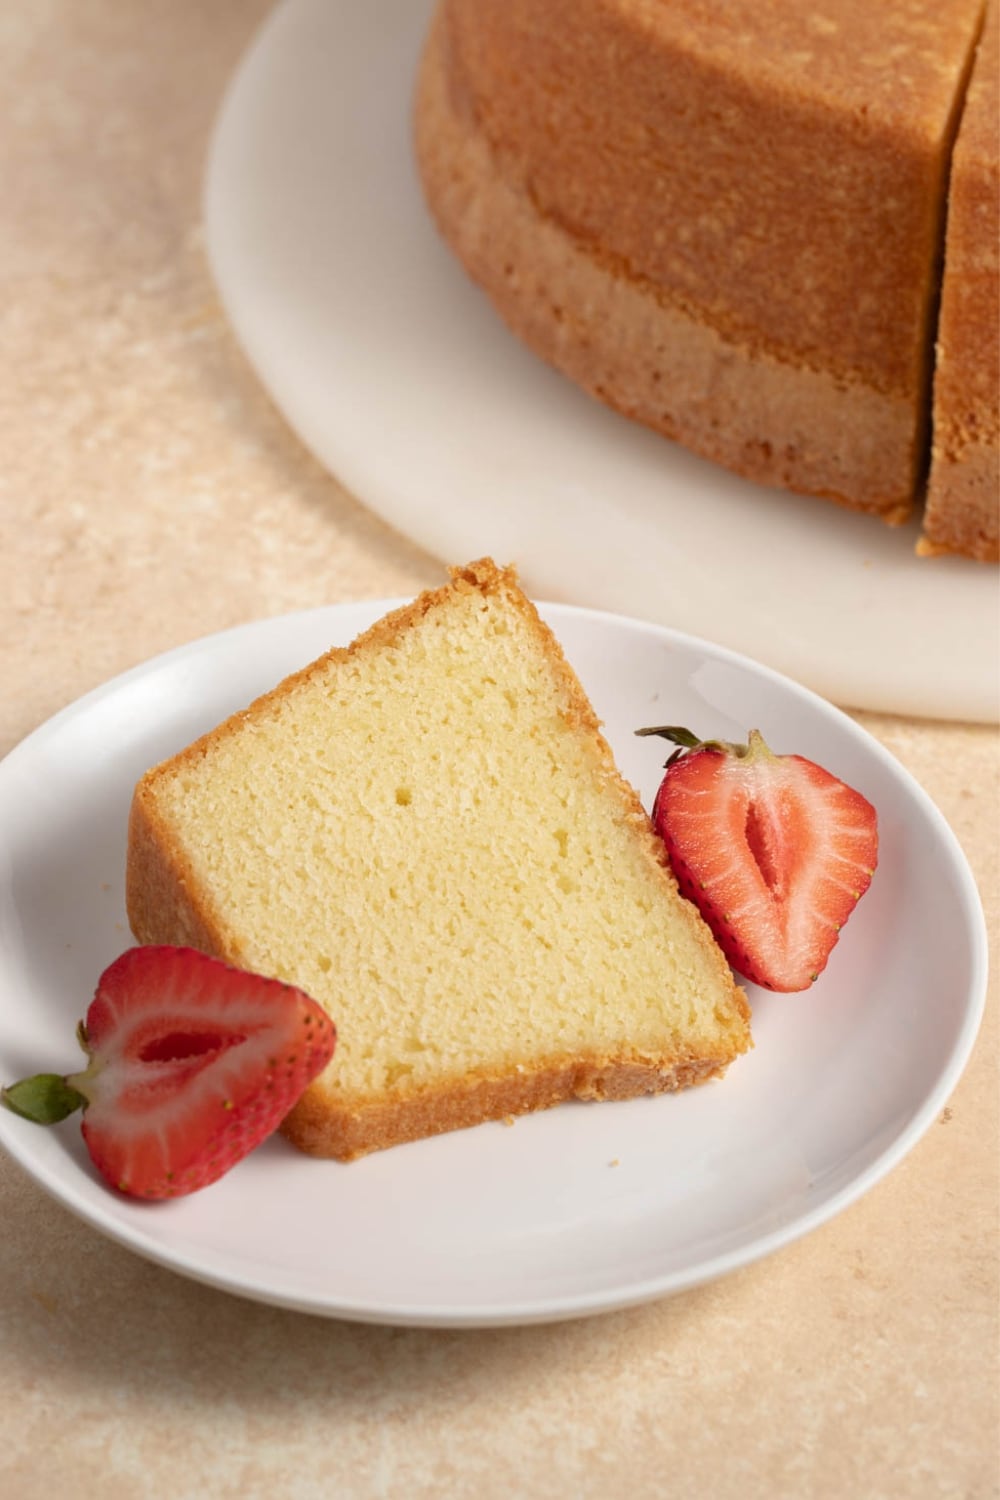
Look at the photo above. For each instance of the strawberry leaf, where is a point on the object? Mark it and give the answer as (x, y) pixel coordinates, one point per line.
(675, 733)
(686, 741)
(46, 1098)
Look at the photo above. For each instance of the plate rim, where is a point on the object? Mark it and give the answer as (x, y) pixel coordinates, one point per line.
(62, 1187)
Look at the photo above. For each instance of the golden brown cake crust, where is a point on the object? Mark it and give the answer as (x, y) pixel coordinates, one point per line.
(322, 1128)
(963, 498)
(165, 904)
(712, 294)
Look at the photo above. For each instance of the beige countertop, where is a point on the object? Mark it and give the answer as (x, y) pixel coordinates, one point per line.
(150, 495)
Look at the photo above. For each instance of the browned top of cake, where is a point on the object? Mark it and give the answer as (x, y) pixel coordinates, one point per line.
(892, 61)
(821, 144)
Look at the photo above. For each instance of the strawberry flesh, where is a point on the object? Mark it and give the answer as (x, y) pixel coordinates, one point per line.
(774, 851)
(191, 1065)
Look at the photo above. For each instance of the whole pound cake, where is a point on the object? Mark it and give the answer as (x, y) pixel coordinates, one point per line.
(725, 220)
(427, 832)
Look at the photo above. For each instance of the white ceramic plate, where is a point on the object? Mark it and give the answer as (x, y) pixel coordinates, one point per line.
(581, 1209)
(395, 371)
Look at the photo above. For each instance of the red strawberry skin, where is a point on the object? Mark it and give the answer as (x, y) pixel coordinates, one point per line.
(773, 850)
(192, 1065)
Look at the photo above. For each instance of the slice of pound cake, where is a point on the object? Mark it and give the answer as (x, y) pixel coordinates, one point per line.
(427, 832)
(963, 492)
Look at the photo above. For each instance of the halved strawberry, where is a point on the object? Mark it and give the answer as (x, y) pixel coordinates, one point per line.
(191, 1064)
(773, 850)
